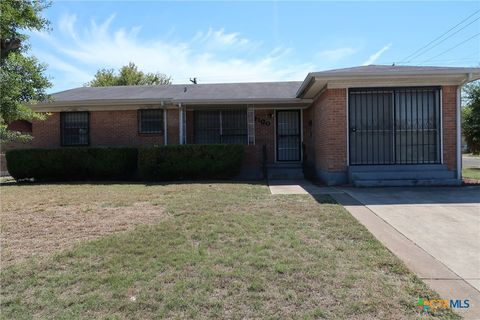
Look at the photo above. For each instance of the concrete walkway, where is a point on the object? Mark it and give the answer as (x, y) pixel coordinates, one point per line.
(434, 231)
(298, 187)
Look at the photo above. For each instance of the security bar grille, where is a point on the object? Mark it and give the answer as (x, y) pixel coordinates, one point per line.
(221, 126)
(288, 135)
(150, 121)
(251, 125)
(394, 126)
(74, 128)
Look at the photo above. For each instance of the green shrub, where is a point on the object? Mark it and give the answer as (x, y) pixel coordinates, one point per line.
(471, 117)
(190, 162)
(72, 163)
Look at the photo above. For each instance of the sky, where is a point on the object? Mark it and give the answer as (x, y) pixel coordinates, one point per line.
(251, 41)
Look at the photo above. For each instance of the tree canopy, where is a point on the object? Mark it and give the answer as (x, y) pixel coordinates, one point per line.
(128, 75)
(471, 117)
(22, 78)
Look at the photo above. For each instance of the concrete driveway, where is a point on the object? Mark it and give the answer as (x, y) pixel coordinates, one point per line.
(442, 231)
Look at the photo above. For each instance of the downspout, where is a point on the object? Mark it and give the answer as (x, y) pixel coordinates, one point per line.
(180, 124)
(459, 126)
(165, 125)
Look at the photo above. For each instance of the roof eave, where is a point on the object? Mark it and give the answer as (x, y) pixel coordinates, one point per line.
(316, 82)
(131, 104)
(244, 101)
(443, 72)
(305, 85)
(54, 105)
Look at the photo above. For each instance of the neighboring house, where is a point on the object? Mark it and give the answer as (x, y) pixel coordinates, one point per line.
(370, 125)
(21, 126)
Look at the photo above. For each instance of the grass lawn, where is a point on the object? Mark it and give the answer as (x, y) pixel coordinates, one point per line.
(471, 173)
(215, 250)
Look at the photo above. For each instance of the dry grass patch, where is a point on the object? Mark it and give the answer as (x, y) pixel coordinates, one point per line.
(45, 229)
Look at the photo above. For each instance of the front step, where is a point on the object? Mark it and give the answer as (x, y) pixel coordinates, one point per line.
(406, 183)
(285, 172)
(402, 176)
(398, 167)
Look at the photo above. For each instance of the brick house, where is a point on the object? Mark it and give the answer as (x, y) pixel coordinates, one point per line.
(369, 125)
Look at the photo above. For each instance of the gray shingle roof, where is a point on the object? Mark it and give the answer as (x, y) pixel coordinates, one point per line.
(242, 92)
(184, 93)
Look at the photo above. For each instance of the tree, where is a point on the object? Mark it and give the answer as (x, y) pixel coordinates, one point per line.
(471, 117)
(22, 79)
(128, 75)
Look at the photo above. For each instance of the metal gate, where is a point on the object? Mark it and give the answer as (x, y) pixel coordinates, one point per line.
(394, 126)
(288, 135)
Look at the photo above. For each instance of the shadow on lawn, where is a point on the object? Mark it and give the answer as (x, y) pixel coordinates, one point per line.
(324, 199)
(13, 182)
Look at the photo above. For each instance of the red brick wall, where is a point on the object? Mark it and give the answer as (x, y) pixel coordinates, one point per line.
(309, 137)
(265, 133)
(118, 128)
(173, 126)
(22, 126)
(252, 156)
(449, 103)
(107, 128)
(46, 133)
(330, 130)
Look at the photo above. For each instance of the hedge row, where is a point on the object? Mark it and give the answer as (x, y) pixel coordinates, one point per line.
(180, 162)
(72, 163)
(190, 162)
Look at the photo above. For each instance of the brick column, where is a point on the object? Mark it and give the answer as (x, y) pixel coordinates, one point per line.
(449, 118)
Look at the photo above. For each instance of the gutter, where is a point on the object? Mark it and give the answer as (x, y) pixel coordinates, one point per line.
(244, 101)
(306, 84)
(51, 106)
(456, 71)
(171, 103)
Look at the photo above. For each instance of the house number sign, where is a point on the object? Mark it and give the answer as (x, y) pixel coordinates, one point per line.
(263, 122)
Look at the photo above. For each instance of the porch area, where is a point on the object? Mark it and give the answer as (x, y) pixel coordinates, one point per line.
(272, 136)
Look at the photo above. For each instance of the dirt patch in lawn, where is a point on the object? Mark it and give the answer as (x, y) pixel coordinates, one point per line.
(49, 229)
(470, 182)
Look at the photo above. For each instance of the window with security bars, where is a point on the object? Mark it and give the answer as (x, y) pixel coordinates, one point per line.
(221, 126)
(150, 121)
(394, 125)
(74, 128)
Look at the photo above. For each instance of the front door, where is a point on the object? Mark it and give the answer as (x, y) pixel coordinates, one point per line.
(288, 135)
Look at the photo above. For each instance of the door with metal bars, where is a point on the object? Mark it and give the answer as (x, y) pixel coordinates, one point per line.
(394, 126)
(288, 135)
